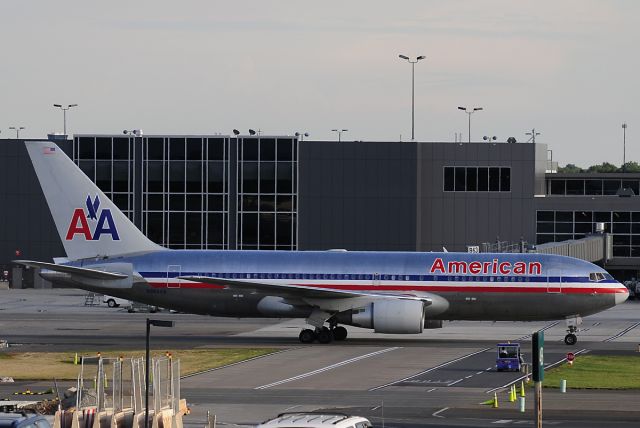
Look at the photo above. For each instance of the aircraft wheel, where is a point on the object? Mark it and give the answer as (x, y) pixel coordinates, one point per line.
(339, 333)
(325, 335)
(307, 336)
(570, 339)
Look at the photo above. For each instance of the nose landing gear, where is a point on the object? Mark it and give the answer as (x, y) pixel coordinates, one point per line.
(572, 328)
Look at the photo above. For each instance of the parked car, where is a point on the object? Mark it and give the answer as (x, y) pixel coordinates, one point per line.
(114, 302)
(316, 420)
(23, 420)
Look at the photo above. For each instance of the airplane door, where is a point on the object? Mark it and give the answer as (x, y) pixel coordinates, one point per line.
(376, 279)
(554, 281)
(173, 271)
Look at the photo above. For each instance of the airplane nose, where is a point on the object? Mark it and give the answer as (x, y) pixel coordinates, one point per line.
(621, 294)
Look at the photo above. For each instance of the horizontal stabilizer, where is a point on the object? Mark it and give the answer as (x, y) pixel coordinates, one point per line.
(73, 270)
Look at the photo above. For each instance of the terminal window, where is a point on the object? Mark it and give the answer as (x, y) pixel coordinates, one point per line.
(477, 179)
(590, 186)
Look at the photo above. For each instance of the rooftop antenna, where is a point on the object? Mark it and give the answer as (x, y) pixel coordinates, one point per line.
(533, 134)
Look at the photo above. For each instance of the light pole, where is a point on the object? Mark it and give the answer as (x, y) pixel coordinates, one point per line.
(339, 131)
(64, 115)
(17, 129)
(470, 112)
(157, 323)
(413, 80)
(624, 147)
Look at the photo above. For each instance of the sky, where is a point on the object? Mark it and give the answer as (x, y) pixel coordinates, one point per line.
(567, 68)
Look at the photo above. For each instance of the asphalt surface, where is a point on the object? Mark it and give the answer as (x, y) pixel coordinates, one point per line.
(434, 379)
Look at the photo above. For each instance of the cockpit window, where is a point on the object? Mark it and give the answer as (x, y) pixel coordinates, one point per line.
(596, 276)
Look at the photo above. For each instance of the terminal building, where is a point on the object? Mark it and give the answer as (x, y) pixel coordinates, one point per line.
(280, 193)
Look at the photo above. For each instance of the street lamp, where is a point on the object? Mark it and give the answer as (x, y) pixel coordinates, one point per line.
(624, 147)
(413, 66)
(157, 323)
(64, 115)
(339, 131)
(301, 135)
(17, 129)
(470, 112)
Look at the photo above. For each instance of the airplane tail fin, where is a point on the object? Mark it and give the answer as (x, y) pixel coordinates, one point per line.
(89, 224)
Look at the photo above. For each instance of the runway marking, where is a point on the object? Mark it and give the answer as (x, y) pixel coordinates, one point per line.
(467, 377)
(429, 370)
(553, 324)
(480, 372)
(432, 389)
(453, 383)
(292, 407)
(622, 333)
(503, 421)
(437, 414)
(375, 408)
(324, 369)
(524, 376)
(236, 363)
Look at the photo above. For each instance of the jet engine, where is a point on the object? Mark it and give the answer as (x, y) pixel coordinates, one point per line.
(387, 316)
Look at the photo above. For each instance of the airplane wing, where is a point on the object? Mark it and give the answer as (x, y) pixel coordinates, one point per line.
(297, 291)
(82, 272)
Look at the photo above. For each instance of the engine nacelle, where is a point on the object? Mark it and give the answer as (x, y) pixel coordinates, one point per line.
(387, 316)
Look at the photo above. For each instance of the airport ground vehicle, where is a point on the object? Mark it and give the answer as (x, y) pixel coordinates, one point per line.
(23, 420)
(316, 420)
(634, 289)
(509, 357)
(389, 292)
(114, 302)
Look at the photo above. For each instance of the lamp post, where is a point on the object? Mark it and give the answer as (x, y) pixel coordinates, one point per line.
(339, 131)
(413, 80)
(64, 115)
(624, 147)
(157, 323)
(470, 112)
(17, 129)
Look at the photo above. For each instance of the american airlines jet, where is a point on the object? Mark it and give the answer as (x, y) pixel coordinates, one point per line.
(388, 292)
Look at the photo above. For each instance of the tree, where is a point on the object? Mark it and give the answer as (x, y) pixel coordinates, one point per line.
(603, 167)
(570, 169)
(631, 167)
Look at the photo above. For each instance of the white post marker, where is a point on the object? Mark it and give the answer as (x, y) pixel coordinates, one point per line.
(563, 386)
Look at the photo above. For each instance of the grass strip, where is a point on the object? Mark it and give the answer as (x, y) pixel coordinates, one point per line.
(60, 365)
(597, 372)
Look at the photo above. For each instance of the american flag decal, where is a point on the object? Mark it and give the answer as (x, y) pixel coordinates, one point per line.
(48, 150)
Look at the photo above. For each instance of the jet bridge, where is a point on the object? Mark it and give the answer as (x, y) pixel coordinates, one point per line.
(594, 248)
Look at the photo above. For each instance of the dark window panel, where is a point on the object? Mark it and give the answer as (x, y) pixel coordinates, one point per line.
(176, 202)
(611, 187)
(88, 167)
(449, 179)
(472, 179)
(631, 184)
(621, 239)
(176, 176)
(635, 251)
(216, 148)
(250, 149)
(267, 149)
(602, 216)
(621, 228)
(103, 148)
(249, 177)
(194, 149)
(566, 216)
(250, 203)
(635, 217)
(121, 200)
(284, 203)
(194, 202)
(619, 251)
(103, 175)
(215, 177)
(176, 228)
(154, 227)
(155, 177)
(543, 239)
(267, 177)
(593, 187)
(267, 203)
(583, 216)
(558, 187)
(545, 216)
(583, 228)
(215, 229)
(566, 237)
(216, 203)
(635, 228)
(505, 179)
(460, 180)
(575, 187)
(267, 229)
(120, 176)
(155, 148)
(621, 216)
(194, 229)
(564, 227)
(86, 148)
(285, 149)
(249, 229)
(494, 179)
(285, 173)
(194, 177)
(176, 149)
(483, 179)
(635, 240)
(155, 202)
(545, 227)
(121, 148)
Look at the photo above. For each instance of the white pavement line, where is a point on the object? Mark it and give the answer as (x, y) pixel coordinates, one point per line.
(292, 407)
(236, 363)
(324, 369)
(432, 389)
(437, 414)
(622, 333)
(457, 381)
(467, 377)
(524, 377)
(375, 408)
(502, 421)
(429, 370)
(480, 372)
(488, 368)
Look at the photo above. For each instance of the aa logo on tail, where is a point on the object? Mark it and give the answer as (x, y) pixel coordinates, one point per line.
(103, 219)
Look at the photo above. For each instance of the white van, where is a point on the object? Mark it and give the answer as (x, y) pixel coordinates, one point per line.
(114, 302)
(316, 420)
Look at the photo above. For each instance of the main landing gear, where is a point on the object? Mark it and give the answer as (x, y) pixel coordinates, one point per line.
(323, 334)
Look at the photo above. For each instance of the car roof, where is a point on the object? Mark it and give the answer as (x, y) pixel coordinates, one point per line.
(311, 420)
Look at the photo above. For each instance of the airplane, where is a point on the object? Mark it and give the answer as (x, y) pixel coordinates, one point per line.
(388, 292)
